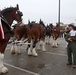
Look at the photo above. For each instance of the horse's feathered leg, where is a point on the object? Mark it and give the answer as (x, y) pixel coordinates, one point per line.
(49, 40)
(56, 45)
(34, 49)
(46, 39)
(16, 49)
(38, 45)
(30, 48)
(53, 43)
(43, 46)
(13, 49)
(3, 69)
(13, 45)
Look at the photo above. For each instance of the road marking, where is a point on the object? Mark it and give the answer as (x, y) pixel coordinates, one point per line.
(21, 69)
(56, 54)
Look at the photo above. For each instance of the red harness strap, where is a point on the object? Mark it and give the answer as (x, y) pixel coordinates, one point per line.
(1, 31)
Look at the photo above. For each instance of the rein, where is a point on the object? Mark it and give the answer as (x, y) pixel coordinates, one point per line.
(10, 30)
(7, 24)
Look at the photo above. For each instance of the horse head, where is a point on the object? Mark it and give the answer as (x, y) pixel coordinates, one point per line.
(10, 14)
(18, 14)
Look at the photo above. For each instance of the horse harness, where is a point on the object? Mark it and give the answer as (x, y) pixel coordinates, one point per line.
(7, 25)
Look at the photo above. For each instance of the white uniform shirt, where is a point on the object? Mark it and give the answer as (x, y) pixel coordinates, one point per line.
(72, 33)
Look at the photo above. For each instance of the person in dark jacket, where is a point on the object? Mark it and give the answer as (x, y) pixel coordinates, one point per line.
(71, 48)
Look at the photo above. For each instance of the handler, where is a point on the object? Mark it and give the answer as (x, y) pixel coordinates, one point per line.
(71, 47)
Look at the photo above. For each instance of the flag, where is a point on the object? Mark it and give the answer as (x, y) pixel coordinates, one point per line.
(1, 30)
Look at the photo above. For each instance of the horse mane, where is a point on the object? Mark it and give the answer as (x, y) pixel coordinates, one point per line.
(41, 22)
(33, 22)
(8, 9)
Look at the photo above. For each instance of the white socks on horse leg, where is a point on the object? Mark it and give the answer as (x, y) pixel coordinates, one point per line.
(34, 52)
(12, 49)
(49, 40)
(38, 46)
(55, 43)
(30, 48)
(29, 51)
(46, 40)
(43, 46)
(15, 49)
(3, 69)
(18, 49)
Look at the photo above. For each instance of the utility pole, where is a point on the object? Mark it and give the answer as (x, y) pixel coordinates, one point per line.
(59, 15)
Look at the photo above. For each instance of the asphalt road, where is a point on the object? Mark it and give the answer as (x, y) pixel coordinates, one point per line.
(51, 62)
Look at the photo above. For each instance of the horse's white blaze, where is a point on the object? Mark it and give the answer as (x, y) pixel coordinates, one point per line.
(12, 49)
(34, 52)
(3, 69)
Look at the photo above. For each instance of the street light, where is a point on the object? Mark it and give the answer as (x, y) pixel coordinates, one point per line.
(59, 15)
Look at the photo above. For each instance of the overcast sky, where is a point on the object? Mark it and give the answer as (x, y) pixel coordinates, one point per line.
(47, 10)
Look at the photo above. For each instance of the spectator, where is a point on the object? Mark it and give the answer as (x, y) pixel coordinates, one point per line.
(71, 47)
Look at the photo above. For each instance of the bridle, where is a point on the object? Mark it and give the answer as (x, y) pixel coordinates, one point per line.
(7, 24)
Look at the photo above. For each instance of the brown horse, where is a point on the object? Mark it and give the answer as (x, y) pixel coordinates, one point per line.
(20, 34)
(34, 32)
(48, 34)
(37, 34)
(55, 35)
(8, 15)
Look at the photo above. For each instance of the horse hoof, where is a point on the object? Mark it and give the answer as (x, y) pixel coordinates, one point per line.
(19, 53)
(35, 55)
(53, 46)
(12, 52)
(48, 43)
(56, 47)
(29, 53)
(4, 70)
(44, 50)
(38, 49)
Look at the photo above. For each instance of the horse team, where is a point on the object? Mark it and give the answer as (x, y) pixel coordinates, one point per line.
(32, 33)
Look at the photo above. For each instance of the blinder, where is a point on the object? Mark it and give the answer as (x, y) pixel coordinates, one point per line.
(19, 12)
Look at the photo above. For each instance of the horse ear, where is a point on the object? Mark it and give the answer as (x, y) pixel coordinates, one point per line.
(17, 7)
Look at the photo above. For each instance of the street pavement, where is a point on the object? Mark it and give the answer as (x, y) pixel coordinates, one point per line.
(51, 62)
